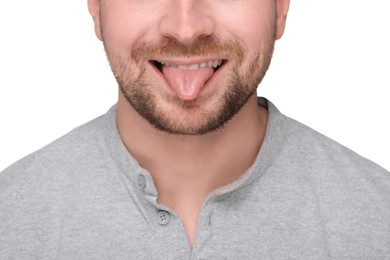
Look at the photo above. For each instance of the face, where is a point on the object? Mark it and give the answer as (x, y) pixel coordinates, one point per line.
(188, 66)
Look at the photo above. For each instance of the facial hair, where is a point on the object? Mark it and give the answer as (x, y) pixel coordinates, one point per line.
(191, 117)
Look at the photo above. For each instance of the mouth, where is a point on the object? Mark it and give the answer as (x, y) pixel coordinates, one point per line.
(187, 79)
(215, 64)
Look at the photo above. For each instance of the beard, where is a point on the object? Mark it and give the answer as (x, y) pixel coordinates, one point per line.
(191, 117)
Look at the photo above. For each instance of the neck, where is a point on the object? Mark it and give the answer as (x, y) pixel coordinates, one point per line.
(185, 169)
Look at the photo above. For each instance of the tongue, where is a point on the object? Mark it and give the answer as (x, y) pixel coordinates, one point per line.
(187, 84)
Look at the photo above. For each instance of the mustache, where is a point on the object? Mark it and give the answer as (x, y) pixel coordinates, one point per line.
(202, 47)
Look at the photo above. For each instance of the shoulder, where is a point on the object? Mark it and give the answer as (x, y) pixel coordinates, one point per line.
(300, 146)
(331, 193)
(338, 177)
(308, 160)
(310, 147)
(55, 161)
(66, 189)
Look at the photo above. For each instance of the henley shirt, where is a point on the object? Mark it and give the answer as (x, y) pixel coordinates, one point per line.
(305, 197)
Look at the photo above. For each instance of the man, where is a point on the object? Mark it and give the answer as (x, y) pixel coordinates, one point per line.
(190, 164)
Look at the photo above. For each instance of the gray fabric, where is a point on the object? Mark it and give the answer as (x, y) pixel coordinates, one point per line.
(305, 197)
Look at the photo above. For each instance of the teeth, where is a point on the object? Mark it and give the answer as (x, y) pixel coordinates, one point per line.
(209, 64)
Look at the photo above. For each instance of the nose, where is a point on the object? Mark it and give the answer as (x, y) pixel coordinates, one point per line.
(187, 20)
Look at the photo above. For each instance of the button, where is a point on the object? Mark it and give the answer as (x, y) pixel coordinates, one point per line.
(163, 217)
(141, 181)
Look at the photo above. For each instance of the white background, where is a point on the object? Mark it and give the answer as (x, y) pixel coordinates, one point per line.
(330, 71)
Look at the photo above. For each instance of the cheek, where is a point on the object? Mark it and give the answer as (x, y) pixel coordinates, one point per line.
(253, 24)
(122, 28)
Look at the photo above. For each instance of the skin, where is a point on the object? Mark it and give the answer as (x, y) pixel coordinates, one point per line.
(186, 162)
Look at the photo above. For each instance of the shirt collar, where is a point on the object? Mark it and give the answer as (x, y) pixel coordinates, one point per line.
(274, 140)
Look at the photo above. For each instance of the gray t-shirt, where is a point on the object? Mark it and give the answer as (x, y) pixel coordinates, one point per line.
(305, 197)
